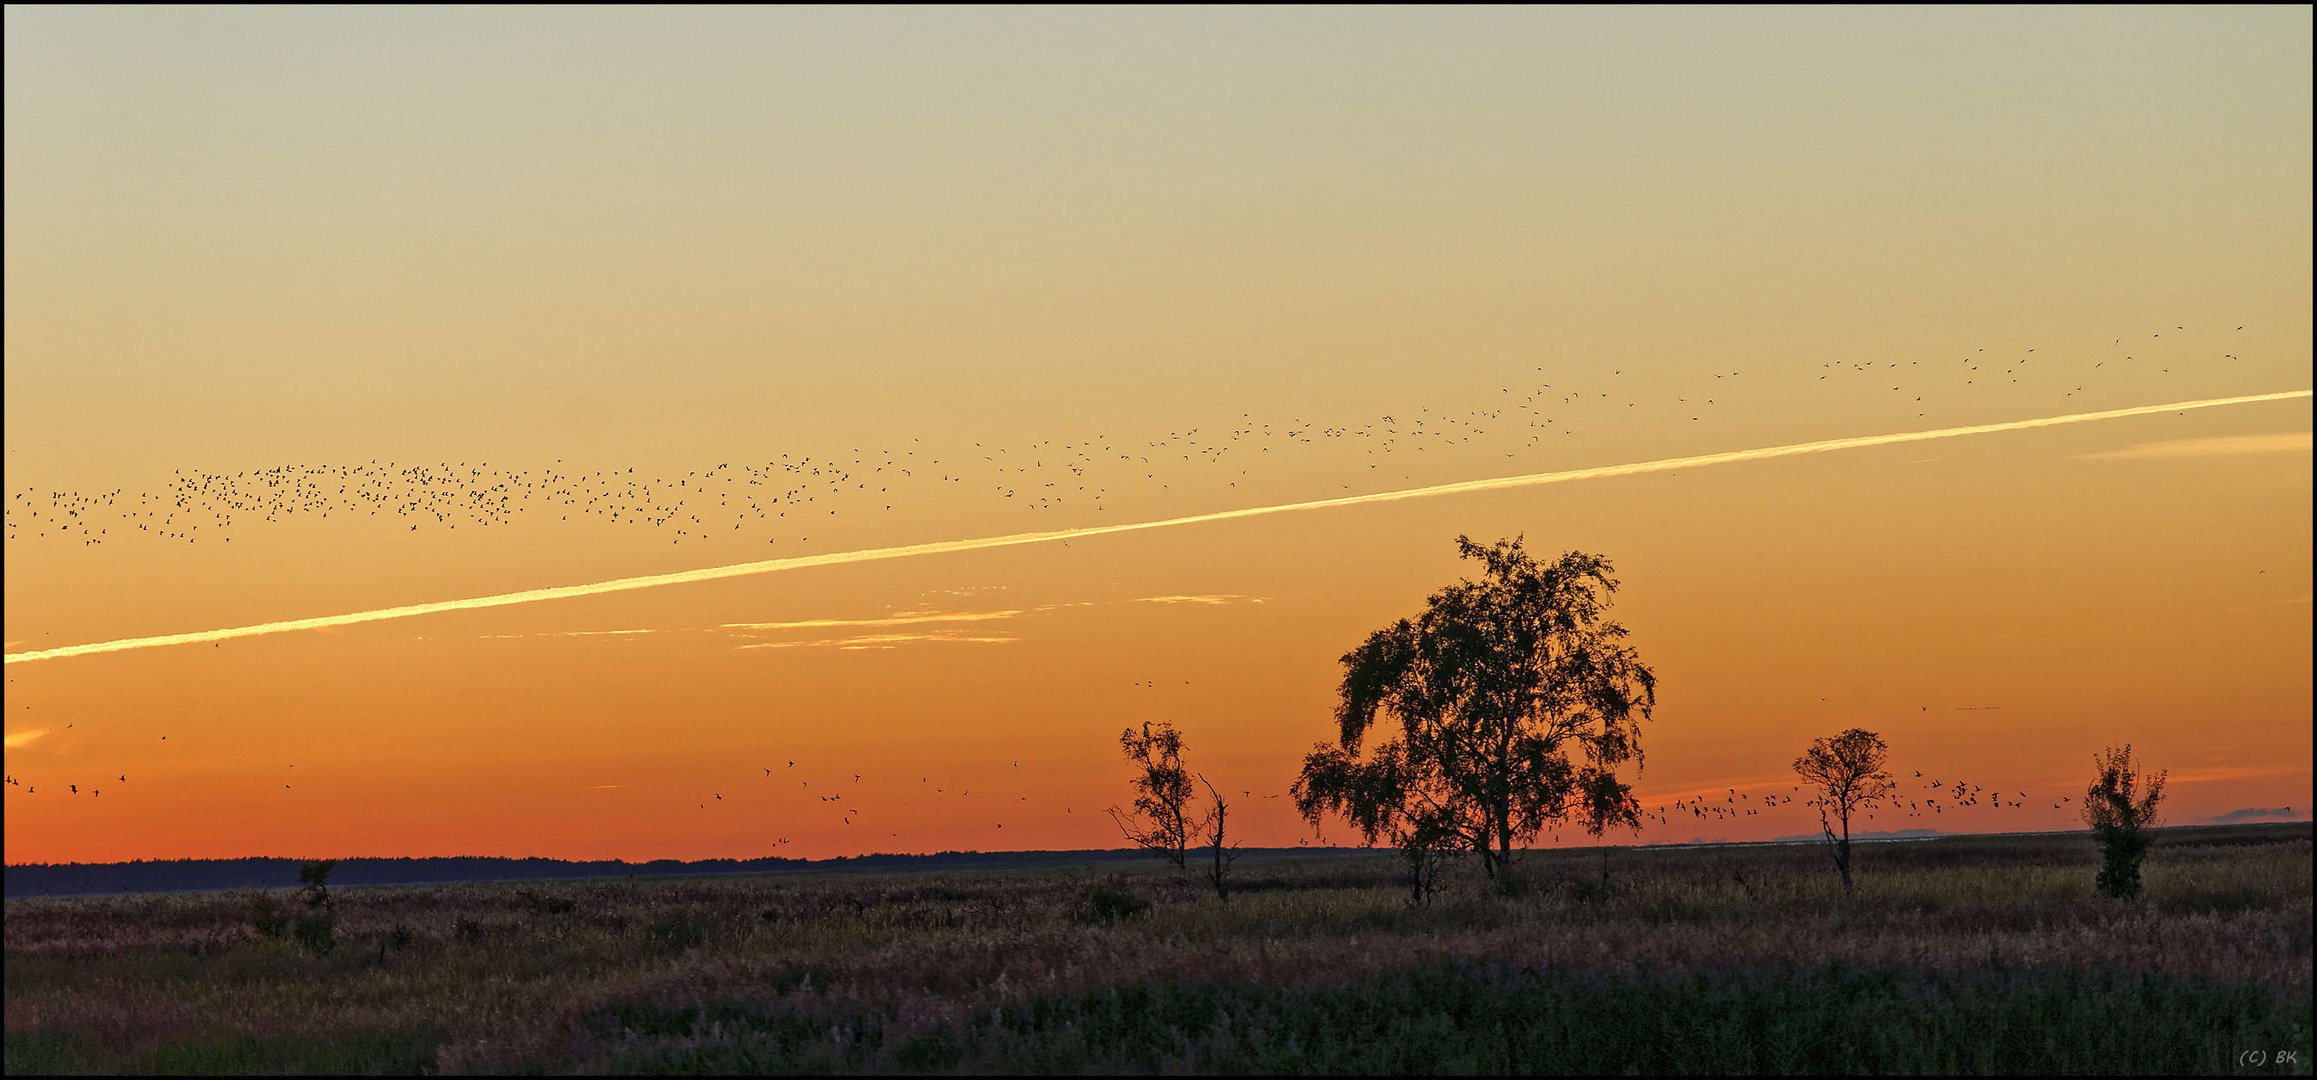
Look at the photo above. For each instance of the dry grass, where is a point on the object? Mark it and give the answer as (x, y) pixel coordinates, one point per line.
(1968, 954)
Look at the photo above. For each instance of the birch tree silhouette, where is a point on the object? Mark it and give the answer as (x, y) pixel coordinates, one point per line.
(1506, 706)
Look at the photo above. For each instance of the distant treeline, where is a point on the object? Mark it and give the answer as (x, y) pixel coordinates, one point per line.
(198, 875)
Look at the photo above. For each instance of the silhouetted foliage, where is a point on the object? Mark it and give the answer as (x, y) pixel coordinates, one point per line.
(1850, 772)
(1514, 705)
(1161, 820)
(1381, 799)
(2120, 806)
(314, 883)
(314, 928)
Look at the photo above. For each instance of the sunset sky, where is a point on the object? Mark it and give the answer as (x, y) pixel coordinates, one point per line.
(403, 306)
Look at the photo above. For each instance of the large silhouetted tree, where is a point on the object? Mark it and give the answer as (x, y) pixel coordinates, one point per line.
(2120, 806)
(1506, 706)
(1849, 771)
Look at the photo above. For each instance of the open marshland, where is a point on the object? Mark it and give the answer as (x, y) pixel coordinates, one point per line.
(1965, 954)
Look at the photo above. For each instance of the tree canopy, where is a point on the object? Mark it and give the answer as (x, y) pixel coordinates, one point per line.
(2120, 806)
(1506, 706)
(1850, 772)
(1161, 820)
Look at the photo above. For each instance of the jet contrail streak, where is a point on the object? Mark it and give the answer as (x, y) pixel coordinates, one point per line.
(841, 558)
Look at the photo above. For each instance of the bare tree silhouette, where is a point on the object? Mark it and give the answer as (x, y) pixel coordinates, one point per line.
(1515, 704)
(1211, 827)
(2120, 806)
(1850, 773)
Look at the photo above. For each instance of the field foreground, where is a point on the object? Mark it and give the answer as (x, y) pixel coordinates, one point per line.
(1971, 954)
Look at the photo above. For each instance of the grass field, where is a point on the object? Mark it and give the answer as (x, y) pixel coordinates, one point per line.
(1973, 954)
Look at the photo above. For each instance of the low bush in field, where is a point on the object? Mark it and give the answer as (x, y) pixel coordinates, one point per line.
(1110, 903)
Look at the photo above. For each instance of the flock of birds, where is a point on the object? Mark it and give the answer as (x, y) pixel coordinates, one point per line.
(844, 805)
(74, 789)
(794, 498)
(1909, 797)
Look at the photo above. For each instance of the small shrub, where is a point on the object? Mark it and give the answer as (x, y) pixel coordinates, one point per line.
(1591, 891)
(316, 928)
(314, 884)
(468, 930)
(267, 917)
(1108, 903)
(679, 929)
(393, 940)
(546, 905)
(316, 931)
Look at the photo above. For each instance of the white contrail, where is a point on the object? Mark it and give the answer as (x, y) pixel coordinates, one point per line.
(893, 620)
(840, 558)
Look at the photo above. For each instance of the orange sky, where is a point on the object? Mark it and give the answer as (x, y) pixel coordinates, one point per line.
(1168, 263)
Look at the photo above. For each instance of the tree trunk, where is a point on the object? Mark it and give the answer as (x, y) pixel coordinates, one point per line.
(1842, 853)
(1504, 845)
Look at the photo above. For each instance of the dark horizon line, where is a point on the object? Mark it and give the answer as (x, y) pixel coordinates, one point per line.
(1925, 833)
